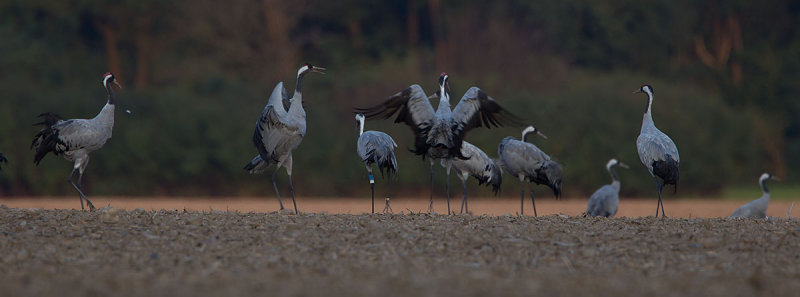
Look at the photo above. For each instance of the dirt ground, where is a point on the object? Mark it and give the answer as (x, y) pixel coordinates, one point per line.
(685, 208)
(114, 252)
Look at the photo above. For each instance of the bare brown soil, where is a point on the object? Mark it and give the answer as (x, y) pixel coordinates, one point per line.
(685, 208)
(114, 252)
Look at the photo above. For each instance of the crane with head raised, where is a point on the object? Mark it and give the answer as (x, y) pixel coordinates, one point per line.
(279, 130)
(439, 134)
(75, 139)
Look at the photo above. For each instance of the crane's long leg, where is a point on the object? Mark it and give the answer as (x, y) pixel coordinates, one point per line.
(387, 207)
(447, 188)
(532, 201)
(78, 188)
(658, 188)
(521, 198)
(464, 199)
(80, 194)
(430, 206)
(294, 201)
(372, 190)
(275, 185)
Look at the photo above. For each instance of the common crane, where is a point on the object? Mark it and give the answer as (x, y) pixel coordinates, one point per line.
(478, 165)
(530, 164)
(279, 130)
(605, 201)
(75, 139)
(375, 147)
(756, 208)
(439, 134)
(656, 150)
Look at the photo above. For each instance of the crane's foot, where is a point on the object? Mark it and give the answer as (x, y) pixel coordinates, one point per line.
(387, 208)
(91, 206)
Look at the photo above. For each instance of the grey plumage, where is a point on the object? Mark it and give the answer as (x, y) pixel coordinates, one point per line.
(756, 208)
(478, 165)
(2, 160)
(530, 164)
(376, 148)
(75, 139)
(439, 134)
(605, 201)
(657, 151)
(279, 130)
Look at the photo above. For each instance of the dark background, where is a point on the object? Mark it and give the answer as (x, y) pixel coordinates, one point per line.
(196, 74)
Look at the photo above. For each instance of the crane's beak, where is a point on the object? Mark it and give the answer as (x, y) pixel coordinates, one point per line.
(775, 178)
(541, 134)
(118, 85)
(318, 70)
(623, 165)
(637, 91)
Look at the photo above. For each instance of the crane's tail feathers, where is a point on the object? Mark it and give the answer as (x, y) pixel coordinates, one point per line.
(3, 160)
(667, 170)
(47, 139)
(257, 165)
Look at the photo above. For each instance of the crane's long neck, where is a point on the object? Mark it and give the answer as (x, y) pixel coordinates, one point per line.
(106, 115)
(614, 179)
(360, 126)
(298, 95)
(444, 100)
(647, 120)
(764, 188)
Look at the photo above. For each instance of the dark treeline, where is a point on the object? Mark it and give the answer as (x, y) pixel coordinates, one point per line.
(196, 74)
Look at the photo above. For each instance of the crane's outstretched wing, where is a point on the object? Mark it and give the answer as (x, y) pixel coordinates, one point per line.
(477, 109)
(412, 107)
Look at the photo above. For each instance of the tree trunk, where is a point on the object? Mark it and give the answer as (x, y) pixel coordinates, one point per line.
(112, 52)
(279, 23)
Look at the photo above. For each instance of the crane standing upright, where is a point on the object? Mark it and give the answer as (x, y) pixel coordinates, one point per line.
(279, 130)
(439, 133)
(656, 150)
(75, 139)
(529, 163)
(375, 147)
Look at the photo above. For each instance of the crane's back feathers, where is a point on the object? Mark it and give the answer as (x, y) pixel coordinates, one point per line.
(377, 148)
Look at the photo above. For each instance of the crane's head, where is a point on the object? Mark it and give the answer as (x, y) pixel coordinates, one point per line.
(766, 176)
(613, 162)
(444, 81)
(307, 68)
(360, 118)
(531, 129)
(648, 89)
(107, 78)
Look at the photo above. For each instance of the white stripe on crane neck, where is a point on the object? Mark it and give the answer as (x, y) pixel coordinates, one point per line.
(105, 80)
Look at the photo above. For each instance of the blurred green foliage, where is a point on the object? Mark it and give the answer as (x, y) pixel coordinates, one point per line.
(197, 74)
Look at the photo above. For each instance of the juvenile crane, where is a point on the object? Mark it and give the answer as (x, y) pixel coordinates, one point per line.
(605, 201)
(656, 150)
(75, 139)
(756, 208)
(530, 164)
(279, 130)
(477, 165)
(375, 147)
(439, 134)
